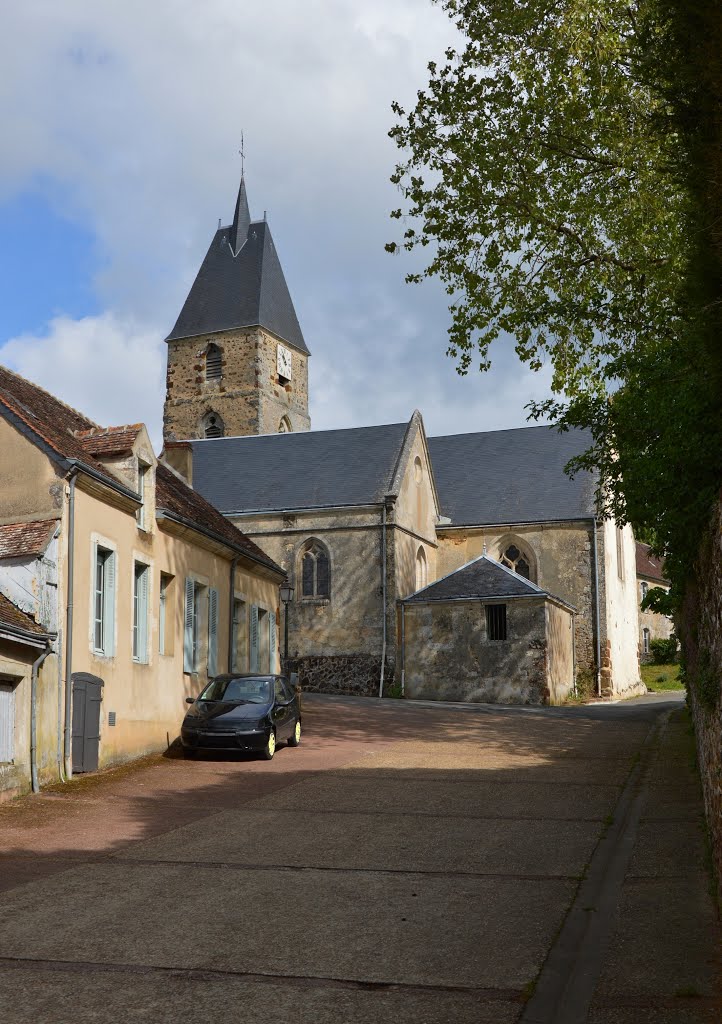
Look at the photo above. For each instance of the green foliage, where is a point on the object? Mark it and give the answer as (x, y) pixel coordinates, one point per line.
(664, 652)
(661, 678)
(706, 682)
(657, 599)
(563, 167)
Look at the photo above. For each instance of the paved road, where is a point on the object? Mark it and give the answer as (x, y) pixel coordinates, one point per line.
(407, 863)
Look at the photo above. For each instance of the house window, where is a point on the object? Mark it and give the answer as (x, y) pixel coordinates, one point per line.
(191, 625)
(514, 559)
(214, 369)
(238, 636)
(141, 574)
(104, 604)
(620, 554)
(421, 569)
(284, 427)
(645, 641)
(496, 622)
(165, 630)
(7, 720)
(212, 631)
(140, 515)
(212, 425)
(644, 587)
(315, 571)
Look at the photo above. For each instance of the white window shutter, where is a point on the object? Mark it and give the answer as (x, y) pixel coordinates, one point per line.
(7, 722)
(272, 641)
(143, 617)
(212, 631)
(254, 638)
(109, 606)
(188, 665)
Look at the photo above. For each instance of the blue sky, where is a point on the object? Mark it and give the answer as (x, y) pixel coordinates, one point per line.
(121, 132)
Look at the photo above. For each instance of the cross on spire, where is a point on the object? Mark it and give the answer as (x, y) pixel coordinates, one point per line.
(243, 157)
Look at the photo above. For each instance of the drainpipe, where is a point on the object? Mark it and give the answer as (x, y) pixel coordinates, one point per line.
(232, 598)
(37, 664)
(574, 653)
(69, 630)
(597, 640)
(403, 649)
(383, 599)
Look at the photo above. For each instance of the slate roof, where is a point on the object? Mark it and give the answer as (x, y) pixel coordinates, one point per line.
(13, 618)
(18, 540)
(484, 579)
(308, 469)
(110, 440)
(511, 476)
(649, 565)
(175, 496)
(240, 284)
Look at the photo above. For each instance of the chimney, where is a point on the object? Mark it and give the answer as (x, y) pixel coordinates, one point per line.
(178, 457)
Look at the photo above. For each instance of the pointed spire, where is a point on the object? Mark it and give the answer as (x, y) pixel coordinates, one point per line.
(241, 219)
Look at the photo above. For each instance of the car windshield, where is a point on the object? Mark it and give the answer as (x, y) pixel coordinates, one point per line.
(253, 691)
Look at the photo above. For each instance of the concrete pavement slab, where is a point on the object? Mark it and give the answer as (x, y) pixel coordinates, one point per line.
(667, 849)
(411, 929)
(90, 997)
(380, 842)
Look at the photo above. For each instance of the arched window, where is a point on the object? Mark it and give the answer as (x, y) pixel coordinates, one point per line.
(421, 569)
(315, 571)
(212, 425)
(214, 370)
(513, 557)
(284, 427)
(645, 641)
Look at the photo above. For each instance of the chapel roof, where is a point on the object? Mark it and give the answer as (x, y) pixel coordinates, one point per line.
(649, 565)
(308, 469)
(483, 579)
(240, 284)
(18, 540)
(511, 476)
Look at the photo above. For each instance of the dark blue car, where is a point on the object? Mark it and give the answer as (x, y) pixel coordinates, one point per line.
(243, 713)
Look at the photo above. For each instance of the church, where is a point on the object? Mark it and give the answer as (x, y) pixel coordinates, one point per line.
(369, 522)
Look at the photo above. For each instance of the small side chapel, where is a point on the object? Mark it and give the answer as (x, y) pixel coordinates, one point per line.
(363, 518)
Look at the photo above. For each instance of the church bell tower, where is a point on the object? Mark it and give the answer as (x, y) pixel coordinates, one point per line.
(237, 360)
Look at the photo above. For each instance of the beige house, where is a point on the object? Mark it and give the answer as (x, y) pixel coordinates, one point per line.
(364, 517)
(652, 625)
(137, 587)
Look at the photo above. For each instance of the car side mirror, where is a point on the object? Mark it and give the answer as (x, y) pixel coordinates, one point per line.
(190, 700)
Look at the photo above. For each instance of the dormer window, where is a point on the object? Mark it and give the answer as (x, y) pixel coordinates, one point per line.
(214, 368)
(141, 516)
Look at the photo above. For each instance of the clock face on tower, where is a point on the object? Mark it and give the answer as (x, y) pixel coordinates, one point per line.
(283, 362)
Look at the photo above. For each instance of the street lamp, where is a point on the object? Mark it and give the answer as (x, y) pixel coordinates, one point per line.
(286, 592)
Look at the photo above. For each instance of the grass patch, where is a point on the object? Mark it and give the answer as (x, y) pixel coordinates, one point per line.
(661, 677)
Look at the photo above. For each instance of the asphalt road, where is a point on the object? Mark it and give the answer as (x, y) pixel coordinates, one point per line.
(407, 863)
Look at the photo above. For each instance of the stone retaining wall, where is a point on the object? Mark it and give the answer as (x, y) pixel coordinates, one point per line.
(350, 674)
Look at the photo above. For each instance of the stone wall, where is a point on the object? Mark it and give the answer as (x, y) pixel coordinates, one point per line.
(701, 637)
(248, 396)
(448, 656)
(353, 674)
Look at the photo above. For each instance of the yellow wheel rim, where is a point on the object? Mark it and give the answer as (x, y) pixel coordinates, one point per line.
(272, 743)
(297, 733)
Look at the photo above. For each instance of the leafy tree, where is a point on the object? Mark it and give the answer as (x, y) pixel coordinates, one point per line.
(559, 165)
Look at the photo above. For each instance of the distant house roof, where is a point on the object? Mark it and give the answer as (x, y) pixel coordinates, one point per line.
(12, 619)
(18, 540)
(483, 579)
(511, 476)
(240, 284)
(649, 565)
(107, 441)
(308, 469)
(174, 496)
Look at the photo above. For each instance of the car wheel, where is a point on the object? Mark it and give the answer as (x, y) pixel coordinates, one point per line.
(270, 748)
(295, 737)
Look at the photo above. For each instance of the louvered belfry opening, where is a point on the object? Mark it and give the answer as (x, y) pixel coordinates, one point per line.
(213, 425)
(214, 368)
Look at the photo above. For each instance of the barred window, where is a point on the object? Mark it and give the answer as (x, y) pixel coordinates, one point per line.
(315, 571)
(496, 622)
(214, 369)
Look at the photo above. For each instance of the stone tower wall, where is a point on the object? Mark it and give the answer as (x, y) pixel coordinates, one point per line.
(248, 397)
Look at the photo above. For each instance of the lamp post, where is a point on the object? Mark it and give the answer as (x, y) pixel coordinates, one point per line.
(286, 592)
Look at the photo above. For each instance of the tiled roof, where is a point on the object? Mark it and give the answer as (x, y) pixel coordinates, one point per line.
(13, 618)
(24, 539)
(174, 496)
(49, 419)
(484, 579)
(240, 284)
(649, 565)
(511, 476)
(110, 440)
(307, 469)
